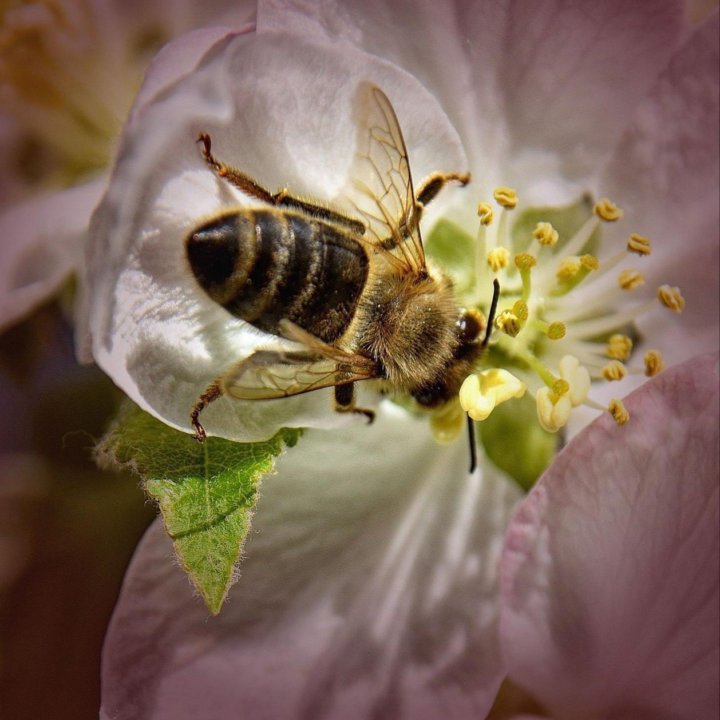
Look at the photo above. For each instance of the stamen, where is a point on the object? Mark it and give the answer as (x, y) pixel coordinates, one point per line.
(556, 331)
(671, 298)
(542, 372)
(607, 210)
(521, 310)
(638, 244)
(619, 413)
(509, 323)
(630, 279)
(654, 363)
(524, 263)
(568, 269)
(614, 371)
(505, 197)
(485, 213)
(498, 259)
(545, 234)
(619, 347)
(573, 271)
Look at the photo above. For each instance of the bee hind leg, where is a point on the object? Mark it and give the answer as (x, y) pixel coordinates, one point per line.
(213, 392)
(345, 402)
(235, 177)
(282, 198)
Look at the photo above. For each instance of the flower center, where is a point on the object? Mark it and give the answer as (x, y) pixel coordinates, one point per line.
(68, 74)
(565, 318)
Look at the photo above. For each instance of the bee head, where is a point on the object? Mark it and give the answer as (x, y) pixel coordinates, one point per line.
(468, 328)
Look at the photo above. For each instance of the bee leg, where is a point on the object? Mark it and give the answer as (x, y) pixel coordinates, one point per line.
(213, 392)
(284, 198)
(434, 183)
(345, 402)
(232, 175)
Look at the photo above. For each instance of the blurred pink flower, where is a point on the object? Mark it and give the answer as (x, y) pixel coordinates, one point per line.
(69, 73)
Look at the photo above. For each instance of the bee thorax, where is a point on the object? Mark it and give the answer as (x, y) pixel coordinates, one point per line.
(411, 331)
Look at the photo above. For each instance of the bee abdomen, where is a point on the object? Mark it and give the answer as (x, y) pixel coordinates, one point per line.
(264, 266)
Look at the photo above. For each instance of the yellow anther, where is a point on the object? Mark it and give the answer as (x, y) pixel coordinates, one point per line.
(630, 279)
(619, 347)
(553, 412)
(614, 370)
(654, 363)
(559, 388)
(638, 244)
(545, 234)
(572, 271)
(506, 197)
(619, 413)
(485, 213)
(447, 422)
(671, 298)
(556, 331)
(525, 261)
(521, 310)
(577, 378)
(509, 323)
(479, 394)
(607, 210)
(498, 258)
(568, 268)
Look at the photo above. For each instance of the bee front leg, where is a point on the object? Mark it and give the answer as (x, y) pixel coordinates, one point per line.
(434, 183)
(345, 402)
(213, 392)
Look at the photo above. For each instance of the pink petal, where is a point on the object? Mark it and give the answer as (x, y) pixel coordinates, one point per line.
(369, 590)
(665, 174)
(42, 246)
(610, 568)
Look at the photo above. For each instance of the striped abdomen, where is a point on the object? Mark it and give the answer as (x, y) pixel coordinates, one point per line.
(265, 265)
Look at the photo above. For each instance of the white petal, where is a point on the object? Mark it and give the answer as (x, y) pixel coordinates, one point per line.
(538, 91)
(177, 59)
(278, 107)
(368, 590)
(42, 246)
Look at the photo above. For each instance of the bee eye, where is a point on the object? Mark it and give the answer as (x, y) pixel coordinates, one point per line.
(469, 326)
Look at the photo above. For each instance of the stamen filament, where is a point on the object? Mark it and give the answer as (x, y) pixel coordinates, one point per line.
(607, 323)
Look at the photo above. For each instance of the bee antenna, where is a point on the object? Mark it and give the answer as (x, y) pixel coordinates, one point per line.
(491, 314)
(473, 444)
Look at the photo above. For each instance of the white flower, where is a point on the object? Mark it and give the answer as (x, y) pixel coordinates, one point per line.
(370, 586)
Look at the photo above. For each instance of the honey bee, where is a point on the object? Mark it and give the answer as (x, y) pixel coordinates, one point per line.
(355, 293)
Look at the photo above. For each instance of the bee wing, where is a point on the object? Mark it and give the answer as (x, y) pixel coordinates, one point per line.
(269, 374)
(382, 191)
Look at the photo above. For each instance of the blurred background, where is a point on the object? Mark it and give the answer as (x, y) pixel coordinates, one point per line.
(67, 530)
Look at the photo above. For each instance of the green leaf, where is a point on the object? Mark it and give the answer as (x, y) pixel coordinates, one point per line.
(206, 492)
